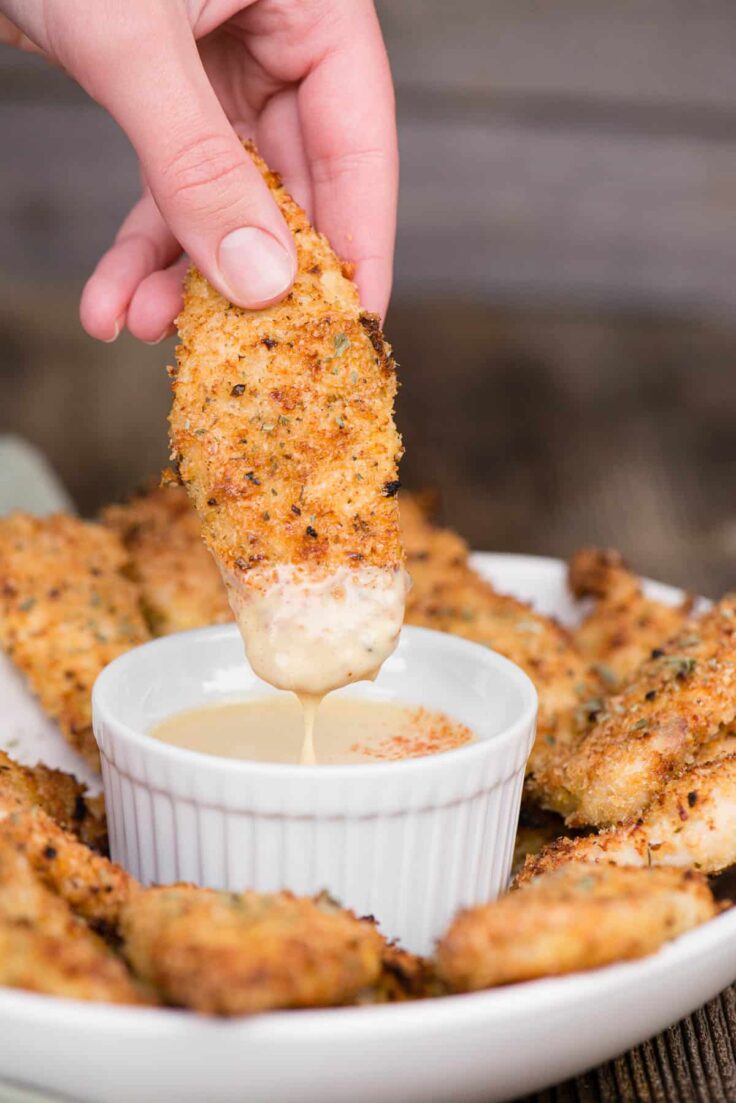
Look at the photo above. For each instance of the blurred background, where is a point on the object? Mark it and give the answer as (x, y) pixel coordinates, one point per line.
(564, 311)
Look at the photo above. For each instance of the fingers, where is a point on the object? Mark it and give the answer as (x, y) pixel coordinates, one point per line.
(346, 106)
(207, 189)
(143, 246)
(157, 302)
(11, 35)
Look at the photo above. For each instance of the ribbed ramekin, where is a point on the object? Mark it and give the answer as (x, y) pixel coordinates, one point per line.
(409, 842)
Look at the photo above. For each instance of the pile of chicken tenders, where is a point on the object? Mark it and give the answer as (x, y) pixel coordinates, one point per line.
(630, 796)
(629, 801)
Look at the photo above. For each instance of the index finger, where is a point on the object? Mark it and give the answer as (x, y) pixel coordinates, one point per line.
(347, 110)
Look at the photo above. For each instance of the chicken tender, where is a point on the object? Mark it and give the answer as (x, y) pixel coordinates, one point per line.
(282, 431)
(179, 582)
(45, 948)
(690, 824)
(624, 626)
(677, 702)
(234, 954)
(93, 887)
(572, 919)
(65, 612)
(59, 795)
(449, 596)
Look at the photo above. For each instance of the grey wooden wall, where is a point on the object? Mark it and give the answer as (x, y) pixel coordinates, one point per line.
(564, 297)
(560, 150)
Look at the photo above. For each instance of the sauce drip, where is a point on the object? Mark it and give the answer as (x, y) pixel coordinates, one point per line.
(310, 704)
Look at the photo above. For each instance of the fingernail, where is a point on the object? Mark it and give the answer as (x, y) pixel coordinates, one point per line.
(118, 326)
(166, 333)
(255, 267)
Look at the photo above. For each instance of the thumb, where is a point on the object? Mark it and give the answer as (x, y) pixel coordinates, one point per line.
(208, 190)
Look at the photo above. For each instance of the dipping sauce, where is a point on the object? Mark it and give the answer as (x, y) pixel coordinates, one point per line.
(347, 730)
(312, 633)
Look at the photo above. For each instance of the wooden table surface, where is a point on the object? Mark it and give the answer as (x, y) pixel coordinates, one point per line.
(692, 1062)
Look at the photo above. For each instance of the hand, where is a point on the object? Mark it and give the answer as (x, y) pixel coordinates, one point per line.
(307, 79)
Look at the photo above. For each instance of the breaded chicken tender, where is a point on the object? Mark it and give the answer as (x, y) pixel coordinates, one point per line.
(45, 948)
(66, 610)
(449, 596)
(690, 823)
(282, 431)
(675, 703)
(179, 582)
(235, 954)
(93, 887)
(624, 626)
(576, 918)
(59, 795)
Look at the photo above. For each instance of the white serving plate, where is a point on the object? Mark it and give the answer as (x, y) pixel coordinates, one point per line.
(487, 1047)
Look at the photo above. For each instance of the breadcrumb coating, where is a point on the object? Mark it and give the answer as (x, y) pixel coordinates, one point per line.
(179, 582)
(689, 823)
(624, 625)
(93, 887)
(676, 702)
(45, 948)
(240, 953)
(282, 422)
(59, 795)
(576, 918)
(66, 611)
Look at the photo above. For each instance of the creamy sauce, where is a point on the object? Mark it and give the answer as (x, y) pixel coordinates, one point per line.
(347, 730)
(310, 704)
(313, 634)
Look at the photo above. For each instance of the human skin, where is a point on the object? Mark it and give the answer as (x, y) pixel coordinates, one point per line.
(308, 80)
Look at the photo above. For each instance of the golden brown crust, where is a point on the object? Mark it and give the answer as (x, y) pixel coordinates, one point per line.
(690, 823)
(93, 887)
(579, 917)
(65, 612)
(624, 625)
(59, 795)
(449, 596)
(179, 582)
(44, 947)
(236, 954)
(676, 702)
(282, 423)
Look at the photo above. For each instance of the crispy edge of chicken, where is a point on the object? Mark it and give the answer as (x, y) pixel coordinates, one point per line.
(676, 702)
(94, 887)
(66, 610)
(624, 625)
(179, 582)
(59, 795)
(46, 948)
(572, 919)
(689, 824)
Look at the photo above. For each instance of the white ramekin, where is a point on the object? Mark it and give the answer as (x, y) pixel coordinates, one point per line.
(409, 842)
